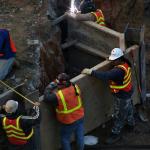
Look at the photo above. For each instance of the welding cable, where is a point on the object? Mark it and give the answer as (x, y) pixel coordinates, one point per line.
(17, 92)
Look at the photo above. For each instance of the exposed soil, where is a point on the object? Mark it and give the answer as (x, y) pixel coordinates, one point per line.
(26, 20)
(22, 19)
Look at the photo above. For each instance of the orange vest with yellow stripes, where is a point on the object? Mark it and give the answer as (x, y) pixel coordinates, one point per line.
(127, 84)
(14, 133)
(69, 107)
(99, 17)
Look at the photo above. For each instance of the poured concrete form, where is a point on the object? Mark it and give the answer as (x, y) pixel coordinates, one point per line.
(98, 101)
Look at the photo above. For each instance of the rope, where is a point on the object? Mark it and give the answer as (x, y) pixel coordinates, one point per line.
(17, 92)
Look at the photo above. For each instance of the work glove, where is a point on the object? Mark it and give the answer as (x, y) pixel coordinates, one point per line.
(86, 71)
(52, 85)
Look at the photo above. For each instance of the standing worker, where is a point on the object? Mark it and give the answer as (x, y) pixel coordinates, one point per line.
(121, 88)
(18, 128)
(90, 13)
(66, 98)
(7, 53)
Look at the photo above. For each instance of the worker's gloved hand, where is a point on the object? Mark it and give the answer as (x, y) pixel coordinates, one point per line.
(52, 85)
(37, 104)
(86, 71)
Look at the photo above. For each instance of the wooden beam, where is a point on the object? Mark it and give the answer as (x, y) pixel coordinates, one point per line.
(91, 50)
(68, 44)
(59, 19)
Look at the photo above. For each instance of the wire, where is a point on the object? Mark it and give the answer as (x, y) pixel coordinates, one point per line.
(17, 92)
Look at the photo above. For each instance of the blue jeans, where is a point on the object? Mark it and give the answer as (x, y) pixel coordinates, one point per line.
(68, 130)
(5, 67)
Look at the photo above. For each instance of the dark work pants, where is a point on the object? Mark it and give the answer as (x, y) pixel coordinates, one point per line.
(123, 112)
(28, 146)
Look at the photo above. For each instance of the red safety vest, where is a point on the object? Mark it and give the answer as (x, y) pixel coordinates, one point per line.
(127, 84)
(14, 133)
(99, 17)
(69, 107)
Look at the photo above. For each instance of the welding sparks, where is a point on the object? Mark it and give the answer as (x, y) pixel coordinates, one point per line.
(73, 8)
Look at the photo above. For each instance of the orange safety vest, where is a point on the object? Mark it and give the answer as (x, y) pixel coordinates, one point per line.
(14, 133)
(69, 107)
(99, 17)
(127, 84)
(12, 45)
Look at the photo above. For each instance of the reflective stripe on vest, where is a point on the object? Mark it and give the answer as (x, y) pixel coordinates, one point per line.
(15, 131)
(66, 110)
(99, 17)
(127, 79)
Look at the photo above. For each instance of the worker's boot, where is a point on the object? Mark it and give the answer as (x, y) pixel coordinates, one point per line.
(113, 138)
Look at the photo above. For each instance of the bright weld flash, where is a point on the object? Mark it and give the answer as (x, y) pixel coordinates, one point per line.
(73, 8)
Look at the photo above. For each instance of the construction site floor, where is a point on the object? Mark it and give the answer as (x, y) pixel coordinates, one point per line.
(139, 138)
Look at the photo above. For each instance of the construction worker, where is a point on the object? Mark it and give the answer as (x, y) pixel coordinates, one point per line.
(89, 13)
(121, 88)
(18, 128)
(7, 53)
(66, 99)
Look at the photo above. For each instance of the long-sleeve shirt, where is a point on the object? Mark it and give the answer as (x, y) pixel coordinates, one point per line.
(116, 75)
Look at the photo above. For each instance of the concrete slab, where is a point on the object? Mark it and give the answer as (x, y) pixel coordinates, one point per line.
(98, 101)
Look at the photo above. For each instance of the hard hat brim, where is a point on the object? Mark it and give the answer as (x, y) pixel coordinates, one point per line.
(114, 58)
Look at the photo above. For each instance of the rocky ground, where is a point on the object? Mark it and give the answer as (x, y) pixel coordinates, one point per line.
(29, 27)
(22, 19)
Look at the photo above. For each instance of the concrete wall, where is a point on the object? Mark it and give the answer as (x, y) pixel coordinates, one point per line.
(92, 34)
(98, 101)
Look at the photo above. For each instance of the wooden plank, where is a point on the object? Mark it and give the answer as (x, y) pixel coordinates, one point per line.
(68, 44)
(59, 19)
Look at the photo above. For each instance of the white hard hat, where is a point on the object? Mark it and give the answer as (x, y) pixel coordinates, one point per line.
(115, 54)
(11, 106)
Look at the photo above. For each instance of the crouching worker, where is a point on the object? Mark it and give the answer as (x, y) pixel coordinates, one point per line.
(19, 129)
(120, 83)
(7, 53)
(66, 98)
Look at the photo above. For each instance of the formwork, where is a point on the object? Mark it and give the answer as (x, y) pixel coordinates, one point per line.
(88, 45)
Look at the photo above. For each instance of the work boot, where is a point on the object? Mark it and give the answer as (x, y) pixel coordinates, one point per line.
(113, 138)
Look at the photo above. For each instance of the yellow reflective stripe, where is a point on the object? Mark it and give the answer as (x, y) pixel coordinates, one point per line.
(78, 90)
(94, 15)
(120, 86)
(17, 122)
(62, 100)
(23, 138)
(4, 121)
(126, 70)
(102, 23)
(12, 131)
(11, 126)
(100, 19)
(129, 77)
(66, 111)
(73, 109)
